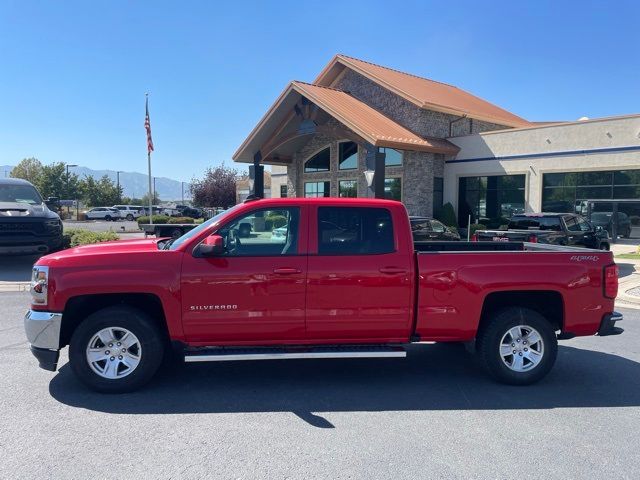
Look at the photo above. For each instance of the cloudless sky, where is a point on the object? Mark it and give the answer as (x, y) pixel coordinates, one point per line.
(73, 73)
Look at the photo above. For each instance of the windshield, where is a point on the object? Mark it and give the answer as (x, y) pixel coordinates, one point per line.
(600, 217)
(20, 194)
(199, 229)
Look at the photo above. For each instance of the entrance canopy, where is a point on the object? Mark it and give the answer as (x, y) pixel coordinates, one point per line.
(304, 109)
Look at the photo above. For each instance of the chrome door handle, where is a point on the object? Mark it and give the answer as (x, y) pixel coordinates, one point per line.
(286, 271)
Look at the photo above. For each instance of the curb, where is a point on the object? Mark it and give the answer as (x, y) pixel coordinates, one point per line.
(14, 287)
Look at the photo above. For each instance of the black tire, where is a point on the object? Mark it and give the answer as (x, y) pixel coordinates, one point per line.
(605, 247)
(137, 322)
(129, 217)
(490, 337)
(628, 234)
(107, 218)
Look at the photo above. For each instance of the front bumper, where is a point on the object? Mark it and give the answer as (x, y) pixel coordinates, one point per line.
(27, 245)
(43, 333)
(608, 325)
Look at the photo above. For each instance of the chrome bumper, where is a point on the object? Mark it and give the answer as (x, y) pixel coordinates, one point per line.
(43, 329)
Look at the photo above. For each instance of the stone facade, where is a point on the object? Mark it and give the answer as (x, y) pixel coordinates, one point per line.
(418, 170)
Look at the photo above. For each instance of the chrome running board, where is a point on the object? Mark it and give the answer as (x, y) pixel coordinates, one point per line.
(224, 354)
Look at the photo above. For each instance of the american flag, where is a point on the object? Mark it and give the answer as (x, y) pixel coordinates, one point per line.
(147, 126)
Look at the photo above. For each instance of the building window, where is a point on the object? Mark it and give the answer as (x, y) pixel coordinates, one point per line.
(348, 189)
(317, 189)
(320, 162)
(283, 191)
(393, 157)
(347, 155)
(568, 192)
(393, 189)
(438, 188)
(490, 201)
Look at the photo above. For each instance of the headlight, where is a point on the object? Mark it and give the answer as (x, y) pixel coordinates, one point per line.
(53, 226)
(39, 284)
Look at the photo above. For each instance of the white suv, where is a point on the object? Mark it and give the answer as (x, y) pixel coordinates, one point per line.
(103, 213)
(129, 212)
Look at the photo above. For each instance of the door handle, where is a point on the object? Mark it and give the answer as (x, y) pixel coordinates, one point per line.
(392, 270)
(286, 271)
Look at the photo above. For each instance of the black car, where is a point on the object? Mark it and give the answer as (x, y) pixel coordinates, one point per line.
(27, 226)
(604, 220)
(425, 229)
(552, 228)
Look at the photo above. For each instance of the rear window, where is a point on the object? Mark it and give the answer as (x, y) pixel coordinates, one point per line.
(535, 223)
(354, 231)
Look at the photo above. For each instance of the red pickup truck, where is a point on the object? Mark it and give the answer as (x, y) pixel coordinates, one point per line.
(312, 278)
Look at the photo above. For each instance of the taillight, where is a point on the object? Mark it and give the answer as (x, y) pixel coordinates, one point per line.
(533, 238)
(611, 281)
(474, 238)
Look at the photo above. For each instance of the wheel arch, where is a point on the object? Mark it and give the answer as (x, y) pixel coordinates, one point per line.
(80, 307)
(548, 303)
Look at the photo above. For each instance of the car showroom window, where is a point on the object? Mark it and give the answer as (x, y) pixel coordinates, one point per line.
(269, 232)
(354, 231)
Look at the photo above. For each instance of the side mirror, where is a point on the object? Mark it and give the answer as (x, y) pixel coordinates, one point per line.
(599, 228)
(52, 202)
(211, 246)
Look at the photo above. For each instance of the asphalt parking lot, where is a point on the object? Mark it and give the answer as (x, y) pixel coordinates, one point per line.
(102, 226)
(431, 415)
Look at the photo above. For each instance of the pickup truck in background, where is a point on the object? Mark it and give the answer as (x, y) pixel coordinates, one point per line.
(552, 228)
(341, 278)
(27, 225)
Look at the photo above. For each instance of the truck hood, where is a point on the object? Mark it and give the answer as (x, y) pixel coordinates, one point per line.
(103, 248)
(19, 209)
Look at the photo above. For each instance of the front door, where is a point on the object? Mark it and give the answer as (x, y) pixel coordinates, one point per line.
(255, 291)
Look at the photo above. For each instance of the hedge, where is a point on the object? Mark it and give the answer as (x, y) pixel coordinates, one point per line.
(276, 221)
(76, 237)
(180, 220)
(156, 219)
(477, 226)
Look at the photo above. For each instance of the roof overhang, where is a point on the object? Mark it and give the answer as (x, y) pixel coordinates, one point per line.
(366, 122)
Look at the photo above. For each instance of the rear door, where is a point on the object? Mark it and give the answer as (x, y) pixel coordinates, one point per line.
(359, 279)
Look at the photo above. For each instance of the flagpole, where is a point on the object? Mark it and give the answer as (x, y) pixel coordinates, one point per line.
(149, 165)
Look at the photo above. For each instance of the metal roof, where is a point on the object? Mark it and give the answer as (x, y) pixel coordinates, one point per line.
(423, 92)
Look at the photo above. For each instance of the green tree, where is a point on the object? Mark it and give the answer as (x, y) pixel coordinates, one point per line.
(28, 169)
(144, 201)
(447, 215)
(99, 193)
(53, 182)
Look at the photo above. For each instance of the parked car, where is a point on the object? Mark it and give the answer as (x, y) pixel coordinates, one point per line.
(103, 213)
(427, 229)
(215, 297)
(553, 228)
(604, 220)
(27, 225)
(129, 212)
(192, 212)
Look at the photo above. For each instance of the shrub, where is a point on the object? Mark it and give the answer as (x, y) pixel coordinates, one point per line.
(447, 215)
(477, 226)
(76, 237)
(180, 220)
(635, 219)
(156, 219)
(276, 221)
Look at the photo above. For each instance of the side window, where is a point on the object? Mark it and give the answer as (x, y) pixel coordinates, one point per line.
(437, 226)
(260, 233)
(583, 225)
(354, 231)
(572, 224)
(421, 226)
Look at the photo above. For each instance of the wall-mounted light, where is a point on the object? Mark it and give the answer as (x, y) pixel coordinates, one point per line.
(368, 175)
(533, 170)
(609, 135)
(548, 141)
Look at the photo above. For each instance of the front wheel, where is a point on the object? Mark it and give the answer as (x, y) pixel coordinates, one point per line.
(107, 218)
(116, 350)
(518, 346)
(129, 217)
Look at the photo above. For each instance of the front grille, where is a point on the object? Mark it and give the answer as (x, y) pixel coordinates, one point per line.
(35, 228)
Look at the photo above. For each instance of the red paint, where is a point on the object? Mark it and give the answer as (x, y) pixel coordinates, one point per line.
(309, 298)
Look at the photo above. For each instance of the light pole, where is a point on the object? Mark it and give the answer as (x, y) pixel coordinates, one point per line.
(67, 168)
(182, 192)
(154, 189)
(118, 185)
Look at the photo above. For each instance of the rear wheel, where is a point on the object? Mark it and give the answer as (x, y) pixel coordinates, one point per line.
(116, 350)
(518, 346)
(129, 217)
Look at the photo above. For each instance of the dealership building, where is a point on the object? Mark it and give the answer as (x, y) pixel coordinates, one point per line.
(365, 130)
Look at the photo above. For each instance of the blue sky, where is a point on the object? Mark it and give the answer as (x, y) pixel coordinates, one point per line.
(73, 74)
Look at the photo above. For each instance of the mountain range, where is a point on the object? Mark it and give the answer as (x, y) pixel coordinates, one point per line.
(133, 184)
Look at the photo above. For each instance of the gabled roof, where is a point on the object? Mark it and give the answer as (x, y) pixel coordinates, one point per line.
(365, 121)
(424, 93)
